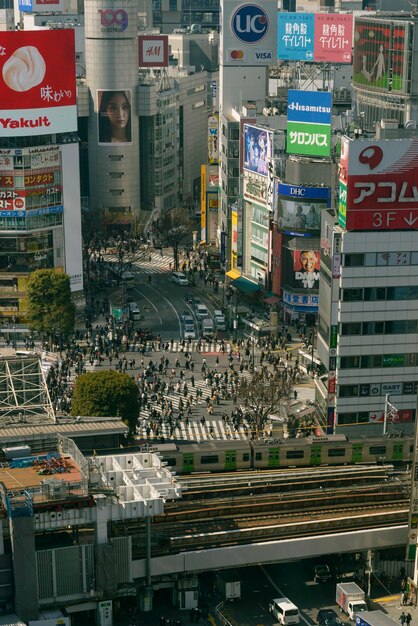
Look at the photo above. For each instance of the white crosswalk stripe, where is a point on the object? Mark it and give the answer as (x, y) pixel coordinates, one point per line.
(192, 346)
(158, 264)
(194, 431)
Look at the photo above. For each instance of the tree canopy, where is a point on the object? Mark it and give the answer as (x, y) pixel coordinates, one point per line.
(263, 395)
(171, 230)
(50, 308)
(107, 394)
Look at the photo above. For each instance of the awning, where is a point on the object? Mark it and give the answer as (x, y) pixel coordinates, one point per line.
(234, 274)
(271, 300)
(247, 286)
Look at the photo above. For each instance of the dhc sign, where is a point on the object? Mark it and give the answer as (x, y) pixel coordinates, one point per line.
(250, 23)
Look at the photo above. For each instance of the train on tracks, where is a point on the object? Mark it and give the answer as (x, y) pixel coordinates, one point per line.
(235, 454)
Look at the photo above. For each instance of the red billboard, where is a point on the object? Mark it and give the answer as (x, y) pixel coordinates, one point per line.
(333, 35)
(153, 50)
(37, 82)
(382, 190)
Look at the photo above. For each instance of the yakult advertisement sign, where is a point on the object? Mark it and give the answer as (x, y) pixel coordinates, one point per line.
(381, 178)
(37, 82)
(248, 32)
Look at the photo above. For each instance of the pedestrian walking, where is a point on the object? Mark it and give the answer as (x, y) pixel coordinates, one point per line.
(402, 618)
(408, 619)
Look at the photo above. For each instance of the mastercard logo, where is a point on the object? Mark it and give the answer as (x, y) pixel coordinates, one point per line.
(236, 55)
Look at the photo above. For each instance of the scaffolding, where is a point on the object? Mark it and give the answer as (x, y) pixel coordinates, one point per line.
(24, 395)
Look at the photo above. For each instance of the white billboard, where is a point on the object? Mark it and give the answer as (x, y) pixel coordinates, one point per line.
(248, 33)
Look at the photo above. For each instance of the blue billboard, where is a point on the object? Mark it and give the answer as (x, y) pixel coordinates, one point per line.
(312, 107)
(25, 5)
(295, 41)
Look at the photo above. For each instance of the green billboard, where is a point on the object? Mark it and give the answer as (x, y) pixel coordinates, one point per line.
(342, 205)
(309, 139)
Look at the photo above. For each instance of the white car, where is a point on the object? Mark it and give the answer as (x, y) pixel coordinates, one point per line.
(189, 331)
(179, 278)
(201, 311)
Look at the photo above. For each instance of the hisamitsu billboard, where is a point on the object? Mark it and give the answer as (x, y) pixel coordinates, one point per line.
(314, 107)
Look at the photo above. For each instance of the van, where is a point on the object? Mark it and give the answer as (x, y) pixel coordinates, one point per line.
(179, 278)
(201, 311)
(207, 328)
(134, 311)
(219, 318)
(284, 611)
(129, 279)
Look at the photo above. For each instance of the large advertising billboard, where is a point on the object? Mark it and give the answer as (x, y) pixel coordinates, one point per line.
(41, 6)
(315, 37)
(153, 50)
(248, 33)
(37, 82)
(309, 122)
(258, 149)
(306, 265)
(295, 41)
(299, 207)
(213, 143)
(381, 184)
(372, 45)
(114, 116)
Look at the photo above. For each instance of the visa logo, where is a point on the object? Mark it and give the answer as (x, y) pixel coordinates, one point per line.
(262, 56)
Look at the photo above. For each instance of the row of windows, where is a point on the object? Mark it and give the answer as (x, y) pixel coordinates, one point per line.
(379, 360)
(364, 390)
(374, 294)
(30, 222)
(392, 327)
(385, 259)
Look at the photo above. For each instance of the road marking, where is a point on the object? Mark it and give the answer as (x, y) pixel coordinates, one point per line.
(151, 303)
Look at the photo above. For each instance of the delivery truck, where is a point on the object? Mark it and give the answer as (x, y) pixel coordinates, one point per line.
(374, 618)
(351, 599)
(229, 585)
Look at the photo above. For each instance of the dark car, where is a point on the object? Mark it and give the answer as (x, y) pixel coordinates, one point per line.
(328, 617)
(322, 573)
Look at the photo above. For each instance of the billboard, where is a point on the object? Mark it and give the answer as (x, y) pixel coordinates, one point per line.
(114, 116)
(37, 82)
(153, 50)
(381, 188)
(255, 189)
(213, 145)
(306, 265)
(234, 239)
(333, 37)
(372, 45)
(315, 37)
(295, 41)
(203, 208)
(41, 6)
(258, 149)
(309, 122)
(248, 33)
(299, 208)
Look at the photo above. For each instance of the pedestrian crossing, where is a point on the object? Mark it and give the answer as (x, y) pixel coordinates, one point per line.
(194, 431)
(179, 346)
(153, 263)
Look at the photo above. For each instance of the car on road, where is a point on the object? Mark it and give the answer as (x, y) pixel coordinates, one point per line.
(284, 611)
(219, 319)
(134, 311)
(179, 278)
(196, 301)
(322, 573)
(201, 311)
(189, 331)
(186, 314)
(328, 617)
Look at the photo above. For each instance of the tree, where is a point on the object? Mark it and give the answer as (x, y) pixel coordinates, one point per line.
(107, 394)
(51, 312)
(263, 396)
(172, 228)
(121, 255)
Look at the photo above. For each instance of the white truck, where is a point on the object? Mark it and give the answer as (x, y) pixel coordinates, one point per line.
(351, 599)
(229, 585)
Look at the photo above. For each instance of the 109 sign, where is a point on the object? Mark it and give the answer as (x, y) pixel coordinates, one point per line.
(250, 23)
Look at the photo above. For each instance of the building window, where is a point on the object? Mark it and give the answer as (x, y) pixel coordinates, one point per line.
(353, 260)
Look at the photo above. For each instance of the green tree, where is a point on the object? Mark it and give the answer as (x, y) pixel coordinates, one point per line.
(107, 394)
(51, 312)
(172, 229)
(263, 396)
